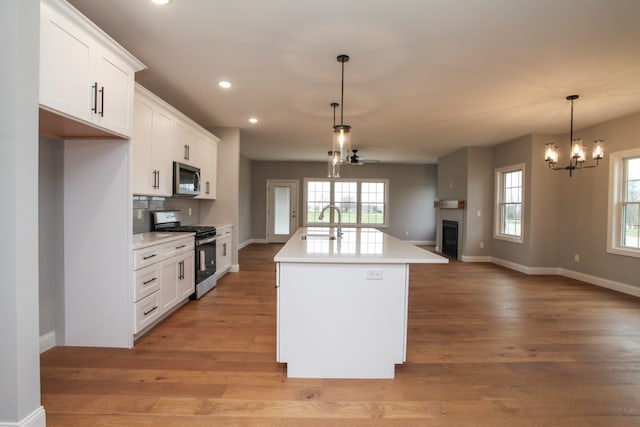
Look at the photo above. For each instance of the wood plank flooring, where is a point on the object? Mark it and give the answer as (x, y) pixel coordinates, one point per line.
(487, 346)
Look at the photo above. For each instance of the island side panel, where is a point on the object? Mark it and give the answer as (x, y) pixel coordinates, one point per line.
(342, 320)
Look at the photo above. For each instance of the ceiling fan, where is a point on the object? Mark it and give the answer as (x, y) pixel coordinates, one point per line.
(356, 159)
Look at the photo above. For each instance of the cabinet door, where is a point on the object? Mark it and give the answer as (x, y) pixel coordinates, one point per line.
(67, 66)
(144, 176)
(186, 281)
(161, 151)
(182, 150)
(115, 92)
(207, 151)
(169, 284)
(151, 149)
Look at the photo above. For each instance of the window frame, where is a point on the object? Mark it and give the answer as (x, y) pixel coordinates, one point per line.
(617, 181)
(499, 201)
(359, 203)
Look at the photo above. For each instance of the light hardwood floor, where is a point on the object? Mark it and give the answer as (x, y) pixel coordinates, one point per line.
(486, 347)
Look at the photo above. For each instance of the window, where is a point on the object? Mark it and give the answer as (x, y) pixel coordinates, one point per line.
(624, 203)
(361, 202)
(509, 203)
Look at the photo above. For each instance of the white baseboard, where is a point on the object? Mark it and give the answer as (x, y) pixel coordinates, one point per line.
(602, 282)
(249, 242)
(47, 341)
(587, 278)
(476, 258)
(37, 418)
(421, 242)
(234, 268)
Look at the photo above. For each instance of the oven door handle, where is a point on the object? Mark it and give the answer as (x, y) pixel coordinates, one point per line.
(203, 261)
(204, 241)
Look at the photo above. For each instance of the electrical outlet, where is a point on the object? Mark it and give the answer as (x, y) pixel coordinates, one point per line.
(374, 274)
(479, 213)
(576, 257)
(139, 213)
(189, 211)
(406, 233)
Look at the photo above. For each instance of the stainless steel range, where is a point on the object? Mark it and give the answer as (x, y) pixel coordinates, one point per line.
(205, 243)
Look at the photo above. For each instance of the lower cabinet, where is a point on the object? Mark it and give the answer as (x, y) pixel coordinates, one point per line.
(163, 278)
(223, 249)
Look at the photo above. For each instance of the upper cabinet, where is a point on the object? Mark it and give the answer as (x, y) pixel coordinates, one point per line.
(86, 78)
(151, 147)
(163, 135)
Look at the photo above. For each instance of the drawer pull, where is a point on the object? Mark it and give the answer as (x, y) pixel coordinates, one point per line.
(149, 281)
(149, 257)
(155, 307)
(181, 246)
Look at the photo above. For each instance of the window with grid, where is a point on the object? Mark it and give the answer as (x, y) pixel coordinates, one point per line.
(624, 207)
(509, 203)
(361, 202)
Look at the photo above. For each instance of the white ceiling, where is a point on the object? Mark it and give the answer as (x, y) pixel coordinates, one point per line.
(426, 77)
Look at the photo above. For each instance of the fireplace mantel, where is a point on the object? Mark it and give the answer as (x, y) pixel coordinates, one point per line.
(449, 204)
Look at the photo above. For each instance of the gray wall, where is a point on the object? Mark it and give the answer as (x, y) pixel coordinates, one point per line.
(412, 190)
(479, 212)
(224, 210)
(19, 357)
(244, 220)
(144, 205)
(582, 211)
(563, 216)
(51, 236)
(508, 154)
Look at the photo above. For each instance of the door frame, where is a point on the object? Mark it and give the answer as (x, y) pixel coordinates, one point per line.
(295, 192)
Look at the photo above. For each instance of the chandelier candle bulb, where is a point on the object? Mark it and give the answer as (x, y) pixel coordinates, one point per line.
(598, 150)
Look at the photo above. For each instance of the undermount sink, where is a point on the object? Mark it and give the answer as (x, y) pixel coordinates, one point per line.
(317, 237)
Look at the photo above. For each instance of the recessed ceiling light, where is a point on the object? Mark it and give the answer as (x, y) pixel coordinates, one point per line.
(224, 84)
(253, 120)
(161, 2)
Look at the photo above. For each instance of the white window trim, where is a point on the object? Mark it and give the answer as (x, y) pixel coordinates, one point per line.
(614, 213)
(499, 173)
(385, 181)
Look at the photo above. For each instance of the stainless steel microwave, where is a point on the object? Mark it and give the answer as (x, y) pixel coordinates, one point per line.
(186, 180)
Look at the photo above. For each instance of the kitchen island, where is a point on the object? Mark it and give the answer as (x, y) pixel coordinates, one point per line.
(342, 303)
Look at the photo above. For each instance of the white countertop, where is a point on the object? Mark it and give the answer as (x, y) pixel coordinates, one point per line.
(357, 245)
(143, 240)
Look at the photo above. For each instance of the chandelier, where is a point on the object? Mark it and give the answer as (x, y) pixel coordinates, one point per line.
(577, 149)
(342, 132)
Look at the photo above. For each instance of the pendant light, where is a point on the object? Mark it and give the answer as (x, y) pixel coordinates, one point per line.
(342, 132)
(333, 162)
(578, 157)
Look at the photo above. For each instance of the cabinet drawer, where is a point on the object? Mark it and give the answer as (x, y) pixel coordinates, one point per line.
(178, 246)
(147, 256)
(147, 281)
(146, 311)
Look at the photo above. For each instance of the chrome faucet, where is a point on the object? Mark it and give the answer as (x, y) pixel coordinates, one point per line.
(339, 231)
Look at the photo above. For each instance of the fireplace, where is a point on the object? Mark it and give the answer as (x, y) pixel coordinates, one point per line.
(450, 238)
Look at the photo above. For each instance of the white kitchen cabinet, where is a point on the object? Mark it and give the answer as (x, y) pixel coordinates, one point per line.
(224, 236)
(152, 172)
(208, 148)
(84, 74)
(163, 135)
(164, 277)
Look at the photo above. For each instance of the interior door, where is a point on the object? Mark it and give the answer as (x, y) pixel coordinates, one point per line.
(282, 210)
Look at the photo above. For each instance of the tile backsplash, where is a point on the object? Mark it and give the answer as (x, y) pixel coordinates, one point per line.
(144, 205)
